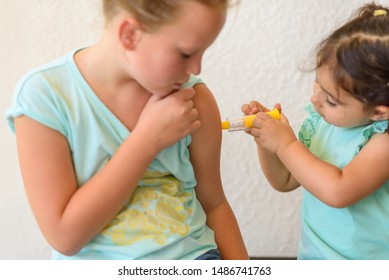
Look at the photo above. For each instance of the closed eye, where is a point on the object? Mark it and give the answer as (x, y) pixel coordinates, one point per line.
(330, 102)
(186, 56)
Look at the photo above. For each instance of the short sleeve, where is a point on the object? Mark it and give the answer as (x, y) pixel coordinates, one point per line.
(310, 125)
(35, 97)
(378, 127)
(193, 80)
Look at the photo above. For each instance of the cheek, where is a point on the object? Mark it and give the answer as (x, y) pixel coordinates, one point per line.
(163, 66)
(334, 114)
(337, 117)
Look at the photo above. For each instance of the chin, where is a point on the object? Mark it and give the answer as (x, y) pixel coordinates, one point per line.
(172, 91)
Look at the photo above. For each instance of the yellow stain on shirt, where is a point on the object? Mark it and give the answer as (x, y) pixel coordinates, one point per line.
(157, 210)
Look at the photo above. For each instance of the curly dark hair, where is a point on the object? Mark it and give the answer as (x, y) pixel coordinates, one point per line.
(358, 52)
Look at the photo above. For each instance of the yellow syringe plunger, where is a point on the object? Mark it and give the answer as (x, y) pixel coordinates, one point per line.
(246, 122)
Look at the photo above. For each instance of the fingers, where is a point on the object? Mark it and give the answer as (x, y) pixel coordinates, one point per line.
(194, 126)
(255, 107)
(278, 107)
(186, 93)
(259, 107)
(245, 109)
(261, 121)
(186, 97)
(263, 116)
(194, 117)
(284, 119)
(251, 108)
(188, 109)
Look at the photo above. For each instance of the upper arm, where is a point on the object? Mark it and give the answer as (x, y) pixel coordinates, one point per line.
(205, 150)
(363, 175)
(367, 171)
(47, 170)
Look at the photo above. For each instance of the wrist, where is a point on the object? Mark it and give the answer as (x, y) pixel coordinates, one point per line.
(286, 146)
(144, 143)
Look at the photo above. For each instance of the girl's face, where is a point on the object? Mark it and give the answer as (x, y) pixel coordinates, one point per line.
(334, 104)
(163, 60)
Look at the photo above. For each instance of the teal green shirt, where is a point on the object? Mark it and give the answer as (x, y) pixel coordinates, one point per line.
(360, 231)
(163, 218)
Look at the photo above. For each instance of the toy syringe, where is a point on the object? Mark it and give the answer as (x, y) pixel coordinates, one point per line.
(246, 122)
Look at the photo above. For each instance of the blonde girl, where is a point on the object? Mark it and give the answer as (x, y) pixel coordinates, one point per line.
(119, 143)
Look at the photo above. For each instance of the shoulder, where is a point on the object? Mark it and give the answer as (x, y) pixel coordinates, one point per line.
(204, 101)
(380, 142)
(44, 76)
(37, 94)
(42, 86)
(309, 126)
(372, 157)
(376, 130)
(207, 107)
(208, 136)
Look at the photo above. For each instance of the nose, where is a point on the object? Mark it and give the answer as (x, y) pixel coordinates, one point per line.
(315, 98)
(194, 66)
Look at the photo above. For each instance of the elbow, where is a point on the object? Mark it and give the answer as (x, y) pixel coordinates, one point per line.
(337, 200)
(68, 251)
(282, 188)
(337, 203)
(287, 186)
(65, 246)
(64, 238)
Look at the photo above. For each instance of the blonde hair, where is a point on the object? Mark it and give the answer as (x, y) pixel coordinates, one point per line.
(151, 13)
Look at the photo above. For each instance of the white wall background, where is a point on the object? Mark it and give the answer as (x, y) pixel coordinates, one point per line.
(255, 57)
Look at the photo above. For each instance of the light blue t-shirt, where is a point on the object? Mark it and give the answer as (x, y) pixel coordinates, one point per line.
(360, 231)
(163, 219)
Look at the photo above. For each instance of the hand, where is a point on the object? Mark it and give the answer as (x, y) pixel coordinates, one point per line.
(170, 118)
(255, 107)
(272, 134)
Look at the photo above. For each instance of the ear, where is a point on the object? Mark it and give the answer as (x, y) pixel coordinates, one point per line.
(129, 32)
(380, 113)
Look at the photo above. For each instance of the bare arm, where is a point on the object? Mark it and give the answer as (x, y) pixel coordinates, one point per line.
(333, 186)
(279, 177)
(340, 187)
(70, 215)
(272, 167)
(205, 157)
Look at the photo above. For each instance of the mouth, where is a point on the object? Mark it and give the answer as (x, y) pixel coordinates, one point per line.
(177, 86)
